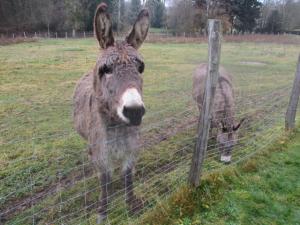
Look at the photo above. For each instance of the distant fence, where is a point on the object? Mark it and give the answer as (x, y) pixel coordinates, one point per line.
(88, 34)
(153, 37)
(296, 32)
(65, 190)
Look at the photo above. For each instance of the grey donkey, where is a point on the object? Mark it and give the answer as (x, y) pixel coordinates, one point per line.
(108, 106)
(223, 115)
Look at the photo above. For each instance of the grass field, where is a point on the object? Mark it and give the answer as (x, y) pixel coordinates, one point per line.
(262, 190)
(43, 162)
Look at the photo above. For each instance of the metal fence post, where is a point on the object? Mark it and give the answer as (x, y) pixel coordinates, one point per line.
(214, 50)
(290, 116)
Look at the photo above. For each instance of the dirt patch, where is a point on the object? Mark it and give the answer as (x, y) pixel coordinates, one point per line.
(17, 40)
(253, 63)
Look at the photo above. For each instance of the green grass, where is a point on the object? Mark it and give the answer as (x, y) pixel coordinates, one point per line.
(262, 190)
(38, 146)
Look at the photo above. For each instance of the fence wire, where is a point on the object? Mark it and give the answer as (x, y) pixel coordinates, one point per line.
(47, 178)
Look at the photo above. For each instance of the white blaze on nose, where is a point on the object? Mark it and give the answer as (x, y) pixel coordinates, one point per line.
(130, 98)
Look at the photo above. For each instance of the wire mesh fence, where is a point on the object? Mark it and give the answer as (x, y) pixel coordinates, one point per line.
(46, 175)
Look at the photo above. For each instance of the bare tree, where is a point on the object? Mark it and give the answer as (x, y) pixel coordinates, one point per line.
(181, 16)
(48, 14)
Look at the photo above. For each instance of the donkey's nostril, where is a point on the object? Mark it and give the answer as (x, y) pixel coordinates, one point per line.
(134, 114)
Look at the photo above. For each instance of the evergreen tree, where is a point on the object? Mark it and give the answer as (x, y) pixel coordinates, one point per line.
(245, 14)
(157, 12)
(158, 20)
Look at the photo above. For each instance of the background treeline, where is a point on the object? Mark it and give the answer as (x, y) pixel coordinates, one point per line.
(66, 15)
(176, 16)
(268, 16)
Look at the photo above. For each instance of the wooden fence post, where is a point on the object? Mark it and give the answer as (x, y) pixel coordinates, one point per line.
(290, 115)
(214, 50)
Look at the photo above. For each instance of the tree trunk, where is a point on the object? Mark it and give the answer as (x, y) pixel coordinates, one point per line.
(48, 29)
(119, 16)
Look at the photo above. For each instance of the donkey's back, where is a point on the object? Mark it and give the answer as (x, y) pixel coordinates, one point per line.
(224, 96)
(82, 100)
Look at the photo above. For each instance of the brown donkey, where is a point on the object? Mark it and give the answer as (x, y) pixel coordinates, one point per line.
(108, 106)
(223, 114)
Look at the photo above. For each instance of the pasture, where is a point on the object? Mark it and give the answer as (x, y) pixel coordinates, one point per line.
(45, 175)
(261, 190)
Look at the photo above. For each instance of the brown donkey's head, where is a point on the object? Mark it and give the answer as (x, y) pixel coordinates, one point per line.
(118, 73)
(227, 138)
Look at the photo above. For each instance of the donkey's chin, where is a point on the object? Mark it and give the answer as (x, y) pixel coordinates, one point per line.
(130, 122)
(136, 122)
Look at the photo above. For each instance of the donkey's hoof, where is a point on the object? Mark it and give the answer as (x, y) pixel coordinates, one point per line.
(135, 206)
(101, 218)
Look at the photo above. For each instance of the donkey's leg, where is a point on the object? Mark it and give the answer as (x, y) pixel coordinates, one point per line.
(105, 182)
(134, 204)
(102, 165)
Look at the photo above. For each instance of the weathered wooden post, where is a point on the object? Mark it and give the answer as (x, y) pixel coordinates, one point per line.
(290, 116)
(214, 50)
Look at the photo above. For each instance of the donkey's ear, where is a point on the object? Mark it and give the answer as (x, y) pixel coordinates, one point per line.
(236, 127)
(140, 29)
(103, 27)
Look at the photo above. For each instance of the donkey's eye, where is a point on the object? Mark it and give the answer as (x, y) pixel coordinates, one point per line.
(224, 130)
(141, 67)
(111, 91)
(105, 69)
